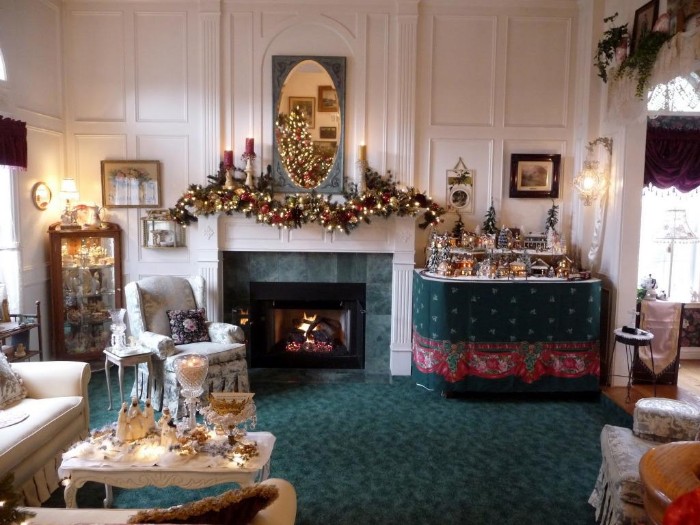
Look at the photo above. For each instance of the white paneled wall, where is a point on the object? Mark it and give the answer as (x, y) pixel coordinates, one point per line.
(179, 81)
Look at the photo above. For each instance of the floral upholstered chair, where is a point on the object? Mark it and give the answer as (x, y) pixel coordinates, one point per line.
(166, 315)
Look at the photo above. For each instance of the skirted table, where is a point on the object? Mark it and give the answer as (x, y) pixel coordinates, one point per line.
(498, 335)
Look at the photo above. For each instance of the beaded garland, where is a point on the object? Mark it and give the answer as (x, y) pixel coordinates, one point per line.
(383, 198)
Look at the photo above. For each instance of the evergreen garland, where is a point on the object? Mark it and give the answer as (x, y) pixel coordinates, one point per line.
(383, 198)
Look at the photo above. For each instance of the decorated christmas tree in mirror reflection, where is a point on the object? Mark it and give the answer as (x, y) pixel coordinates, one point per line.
(305, 167)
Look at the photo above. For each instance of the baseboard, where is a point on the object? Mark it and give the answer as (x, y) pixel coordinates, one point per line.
(690, 352)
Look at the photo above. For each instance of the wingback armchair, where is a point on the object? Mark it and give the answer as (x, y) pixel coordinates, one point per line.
(154, 305)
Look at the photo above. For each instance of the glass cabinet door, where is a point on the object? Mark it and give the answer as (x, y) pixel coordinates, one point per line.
(86, 285)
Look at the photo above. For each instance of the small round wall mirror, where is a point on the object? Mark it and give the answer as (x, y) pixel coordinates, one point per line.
(41, 195)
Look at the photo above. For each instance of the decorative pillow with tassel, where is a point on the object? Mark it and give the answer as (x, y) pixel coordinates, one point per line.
(234, 507)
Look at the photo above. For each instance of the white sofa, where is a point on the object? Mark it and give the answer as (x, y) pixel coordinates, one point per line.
(58, 415)
(282, 511)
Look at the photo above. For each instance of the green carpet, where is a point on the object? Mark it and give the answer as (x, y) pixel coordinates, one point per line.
(394, 453)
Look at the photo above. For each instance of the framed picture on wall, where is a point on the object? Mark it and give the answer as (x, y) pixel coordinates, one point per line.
(306, 105)
(534, 175)
(131, 183)
(644, 19)
(327, 99)
(328, 132)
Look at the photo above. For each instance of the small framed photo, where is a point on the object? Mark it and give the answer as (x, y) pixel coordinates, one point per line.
(644, 19)
(534, 176)
(327, 99)
(328, 132)
(306, 105)
(131, 183)
(325, 148)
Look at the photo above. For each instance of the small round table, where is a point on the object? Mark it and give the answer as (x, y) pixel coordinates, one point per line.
(121, 360)
(632, 343)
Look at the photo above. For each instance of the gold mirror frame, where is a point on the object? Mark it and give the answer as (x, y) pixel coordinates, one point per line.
(41, 195)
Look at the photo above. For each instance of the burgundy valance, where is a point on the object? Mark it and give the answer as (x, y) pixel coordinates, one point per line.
(13, 142)
(672, 158)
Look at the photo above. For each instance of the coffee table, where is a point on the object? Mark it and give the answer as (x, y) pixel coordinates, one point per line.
(200, 471)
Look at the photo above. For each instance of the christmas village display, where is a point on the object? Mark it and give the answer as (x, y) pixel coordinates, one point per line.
(138, 438)
(505, 253)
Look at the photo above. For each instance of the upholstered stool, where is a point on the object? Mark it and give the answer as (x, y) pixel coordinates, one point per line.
(664, 420)
(617, 495)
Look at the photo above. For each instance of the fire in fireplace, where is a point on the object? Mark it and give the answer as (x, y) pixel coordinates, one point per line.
(307, 325)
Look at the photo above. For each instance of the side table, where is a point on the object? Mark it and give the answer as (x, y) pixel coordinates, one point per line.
(132, 359)
(632, 343)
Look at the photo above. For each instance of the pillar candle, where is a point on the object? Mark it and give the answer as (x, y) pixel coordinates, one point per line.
(362, 152)
(228, 158)
(250, 145)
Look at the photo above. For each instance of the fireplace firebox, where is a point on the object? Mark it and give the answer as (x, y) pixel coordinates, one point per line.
(307, 325)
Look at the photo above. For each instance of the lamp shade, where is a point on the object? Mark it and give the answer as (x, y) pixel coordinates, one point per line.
(69, 190)
(675, 228)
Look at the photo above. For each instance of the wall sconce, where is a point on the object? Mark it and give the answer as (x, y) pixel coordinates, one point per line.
(592, 182)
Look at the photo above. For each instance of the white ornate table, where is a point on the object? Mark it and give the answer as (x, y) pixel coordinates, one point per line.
(198, 471)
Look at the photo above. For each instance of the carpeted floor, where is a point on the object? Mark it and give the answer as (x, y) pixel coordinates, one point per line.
(389, 452)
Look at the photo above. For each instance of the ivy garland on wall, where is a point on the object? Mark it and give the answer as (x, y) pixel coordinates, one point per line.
(383, 198)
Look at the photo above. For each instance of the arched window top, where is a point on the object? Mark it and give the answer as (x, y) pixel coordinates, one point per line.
(679, 95)
(3, 71)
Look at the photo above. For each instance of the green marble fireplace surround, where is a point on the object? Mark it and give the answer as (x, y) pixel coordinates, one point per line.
(373, 269)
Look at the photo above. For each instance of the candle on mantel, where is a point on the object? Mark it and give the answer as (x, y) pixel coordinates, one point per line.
(228, 158)
(362, 152)
(250, 146)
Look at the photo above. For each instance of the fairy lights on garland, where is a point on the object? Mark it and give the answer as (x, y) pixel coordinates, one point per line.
(383, 198)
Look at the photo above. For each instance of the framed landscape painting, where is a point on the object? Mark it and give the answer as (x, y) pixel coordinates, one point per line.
(534, 176)
(307, 106)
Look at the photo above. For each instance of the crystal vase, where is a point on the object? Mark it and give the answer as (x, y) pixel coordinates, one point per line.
(191, 372)
(118, 328)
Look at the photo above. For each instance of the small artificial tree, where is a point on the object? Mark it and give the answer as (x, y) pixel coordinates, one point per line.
(458, 228)
(489, 226)
(552, 219)
(10, 512)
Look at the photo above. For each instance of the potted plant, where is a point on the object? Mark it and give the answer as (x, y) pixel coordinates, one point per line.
(614, 38)
(641, 63)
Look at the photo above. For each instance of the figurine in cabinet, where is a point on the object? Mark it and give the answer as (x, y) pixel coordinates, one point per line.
(86, 282)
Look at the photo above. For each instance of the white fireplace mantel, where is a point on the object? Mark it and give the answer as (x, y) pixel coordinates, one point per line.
(395, 235)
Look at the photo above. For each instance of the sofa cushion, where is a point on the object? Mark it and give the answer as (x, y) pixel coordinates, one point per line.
(188, 326)
(47, 418)
(234, 507)
(11, 387)
(622, 451)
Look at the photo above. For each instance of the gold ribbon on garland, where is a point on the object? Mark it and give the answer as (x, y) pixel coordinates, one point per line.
(383, 198)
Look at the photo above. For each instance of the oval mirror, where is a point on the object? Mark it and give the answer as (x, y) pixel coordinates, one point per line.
(308, 128)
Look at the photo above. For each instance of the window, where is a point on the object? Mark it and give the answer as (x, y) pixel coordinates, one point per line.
(3, 71)
(666, 259)
(9, 247)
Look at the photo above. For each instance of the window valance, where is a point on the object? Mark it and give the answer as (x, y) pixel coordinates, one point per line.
(672, 158)
(13, 143)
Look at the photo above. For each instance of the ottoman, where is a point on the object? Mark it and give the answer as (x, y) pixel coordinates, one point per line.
(664, 420)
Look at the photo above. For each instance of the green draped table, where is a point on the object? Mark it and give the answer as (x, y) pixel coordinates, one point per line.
(497, 335)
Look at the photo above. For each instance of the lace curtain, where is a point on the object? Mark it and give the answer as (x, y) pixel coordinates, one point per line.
(13, 143)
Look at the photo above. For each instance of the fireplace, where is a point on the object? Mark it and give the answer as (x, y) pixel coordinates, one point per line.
(307, 325)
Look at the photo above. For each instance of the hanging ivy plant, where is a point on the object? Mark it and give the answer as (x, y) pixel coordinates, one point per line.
(612, 38)
(641, 63)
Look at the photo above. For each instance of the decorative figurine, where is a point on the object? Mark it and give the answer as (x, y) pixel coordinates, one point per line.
(168, 436)
(122, 425)
(149, 419)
